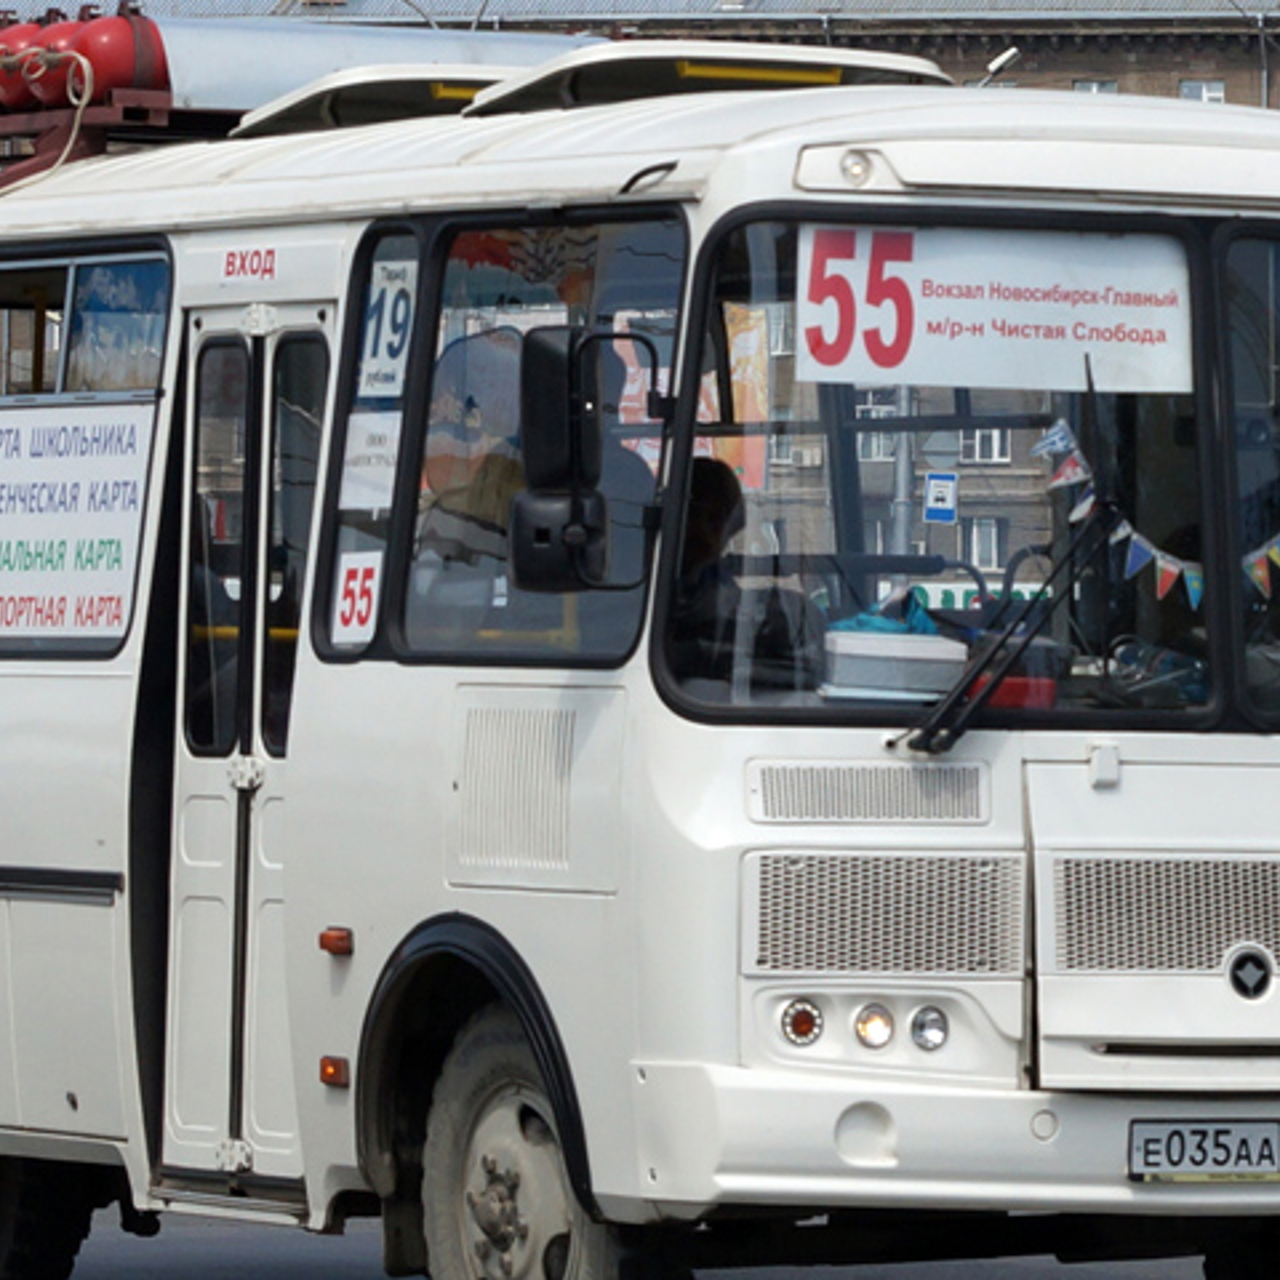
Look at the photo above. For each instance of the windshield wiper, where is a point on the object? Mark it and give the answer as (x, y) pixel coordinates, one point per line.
(947, 723)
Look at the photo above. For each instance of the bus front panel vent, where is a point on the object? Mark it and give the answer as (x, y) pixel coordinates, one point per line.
(837, 792)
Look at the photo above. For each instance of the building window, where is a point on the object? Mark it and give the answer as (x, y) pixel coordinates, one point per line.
(1203, 90)
(985, 444)
(876, 446)
(782, 328)
(881, 402)
(984, 541)
(1096, 86)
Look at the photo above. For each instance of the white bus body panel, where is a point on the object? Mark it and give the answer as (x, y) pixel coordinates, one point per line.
(665, 1024)
(66, 952)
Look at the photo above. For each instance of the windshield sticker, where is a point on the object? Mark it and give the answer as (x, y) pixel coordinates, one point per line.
(71, 504)
(882, 306)
(369, 461)
(388, 326)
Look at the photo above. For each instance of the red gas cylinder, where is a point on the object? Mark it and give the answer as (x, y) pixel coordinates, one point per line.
(125, 52)
(50, 85)
(15, 92)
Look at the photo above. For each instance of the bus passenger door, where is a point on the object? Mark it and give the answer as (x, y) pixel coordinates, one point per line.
(256, 394)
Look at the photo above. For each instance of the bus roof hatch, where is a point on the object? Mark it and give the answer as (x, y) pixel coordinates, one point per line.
(369, 95)
(630, 69)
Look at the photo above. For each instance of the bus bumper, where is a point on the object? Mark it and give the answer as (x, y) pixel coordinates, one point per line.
(716, 1136)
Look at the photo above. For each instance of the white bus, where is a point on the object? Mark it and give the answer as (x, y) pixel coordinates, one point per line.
(649, 680)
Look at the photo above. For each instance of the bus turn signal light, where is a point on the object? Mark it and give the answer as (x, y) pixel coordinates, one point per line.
(802, 1022)
(335, 1072)
(337, 941)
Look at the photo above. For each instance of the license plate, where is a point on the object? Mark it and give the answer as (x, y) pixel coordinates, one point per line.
(1204, 1151)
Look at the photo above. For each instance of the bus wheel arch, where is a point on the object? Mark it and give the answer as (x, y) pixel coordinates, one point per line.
(437, 980)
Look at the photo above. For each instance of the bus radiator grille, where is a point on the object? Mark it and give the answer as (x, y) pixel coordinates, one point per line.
(1163, 915)
(885, 914)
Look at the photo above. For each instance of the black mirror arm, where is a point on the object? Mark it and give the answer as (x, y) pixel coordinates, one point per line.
(577, 538)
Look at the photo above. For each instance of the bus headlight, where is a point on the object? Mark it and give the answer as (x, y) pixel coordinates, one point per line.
(873, 1026)
(930, 1028)
(855, 167)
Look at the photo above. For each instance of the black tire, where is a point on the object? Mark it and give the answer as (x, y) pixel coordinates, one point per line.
(1250, 1251)
(496, 1199)
(45, 1212)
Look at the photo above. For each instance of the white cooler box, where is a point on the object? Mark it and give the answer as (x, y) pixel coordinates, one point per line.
(881, 664)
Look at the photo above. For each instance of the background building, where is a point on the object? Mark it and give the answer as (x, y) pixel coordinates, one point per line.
(1209, 50)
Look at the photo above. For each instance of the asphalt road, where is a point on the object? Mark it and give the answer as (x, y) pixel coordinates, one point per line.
(198, 1249)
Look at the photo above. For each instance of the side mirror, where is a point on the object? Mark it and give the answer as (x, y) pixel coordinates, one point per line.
(558, 541)
(559, 525)
(560, 425)
(571, 386)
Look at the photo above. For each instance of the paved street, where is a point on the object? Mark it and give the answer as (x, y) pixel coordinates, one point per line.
(196, 1249)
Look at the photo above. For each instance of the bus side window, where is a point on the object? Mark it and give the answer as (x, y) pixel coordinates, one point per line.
(1253, 274)
(471, 471)
(215, 553)
(32, 302)
(299, 378)
(118, 316)
(612, 280)
(81, 358)
(370, 439)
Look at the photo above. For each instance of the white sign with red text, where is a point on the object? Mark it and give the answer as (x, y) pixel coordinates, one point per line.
(356, 599)
(257, 263)
(953, 307)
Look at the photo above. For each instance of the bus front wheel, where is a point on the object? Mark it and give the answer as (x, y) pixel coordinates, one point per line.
(497, 1204)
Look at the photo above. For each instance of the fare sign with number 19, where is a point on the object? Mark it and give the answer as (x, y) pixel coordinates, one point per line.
(892, 306)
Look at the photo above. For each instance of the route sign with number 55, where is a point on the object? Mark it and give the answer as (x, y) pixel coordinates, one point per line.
(976, 307)
(356, 599)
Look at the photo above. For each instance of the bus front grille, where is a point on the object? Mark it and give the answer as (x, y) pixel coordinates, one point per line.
(853, 913)
(1162, 914)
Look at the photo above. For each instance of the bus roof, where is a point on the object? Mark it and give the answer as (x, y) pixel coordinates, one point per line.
(600, 74)
(370, 95)
(586, 75)
(918, 140)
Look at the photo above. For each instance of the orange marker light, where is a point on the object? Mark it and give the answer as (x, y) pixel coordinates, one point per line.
(802, 1022)
(337, 941)
(335, 1072)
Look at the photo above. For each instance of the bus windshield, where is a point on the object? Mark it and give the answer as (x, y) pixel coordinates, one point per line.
(912, 441)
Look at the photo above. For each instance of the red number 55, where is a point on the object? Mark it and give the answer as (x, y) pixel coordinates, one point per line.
(828, 282)
(356, 605)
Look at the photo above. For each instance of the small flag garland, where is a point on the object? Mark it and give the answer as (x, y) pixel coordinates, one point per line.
(1257, 565)
(1059, 441)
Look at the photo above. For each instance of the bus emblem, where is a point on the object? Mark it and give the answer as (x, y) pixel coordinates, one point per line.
(1250, 974)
